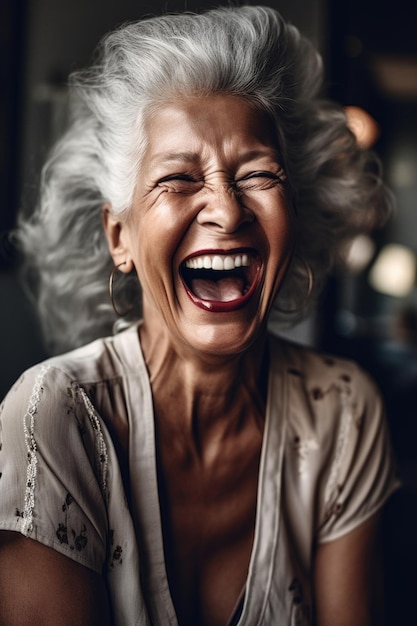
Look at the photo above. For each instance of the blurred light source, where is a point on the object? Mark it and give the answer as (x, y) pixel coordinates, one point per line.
(394, 271)
(360, 253)
(404, 171)
(396, 75)
(362, 125)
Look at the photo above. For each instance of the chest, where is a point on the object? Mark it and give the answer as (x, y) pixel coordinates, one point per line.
(208, 512)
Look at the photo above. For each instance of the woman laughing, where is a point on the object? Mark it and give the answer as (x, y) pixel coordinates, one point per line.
(191, 468)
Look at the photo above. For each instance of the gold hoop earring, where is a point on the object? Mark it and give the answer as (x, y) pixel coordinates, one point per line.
(111, 292)
(308, 294)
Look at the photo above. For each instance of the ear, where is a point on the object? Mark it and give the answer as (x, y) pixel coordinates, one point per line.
(117, 239)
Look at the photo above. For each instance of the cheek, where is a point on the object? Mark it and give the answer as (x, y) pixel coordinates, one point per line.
(167, 225)
(155, 248)
(285, 233)
(279, 226)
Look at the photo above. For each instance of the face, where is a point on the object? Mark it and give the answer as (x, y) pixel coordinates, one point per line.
(210, 232)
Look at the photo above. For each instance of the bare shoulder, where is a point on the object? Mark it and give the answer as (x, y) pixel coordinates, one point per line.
(41, 586)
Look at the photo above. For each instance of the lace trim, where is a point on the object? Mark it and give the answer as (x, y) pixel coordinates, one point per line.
(31, 447)
(102, 459)
(346, 420)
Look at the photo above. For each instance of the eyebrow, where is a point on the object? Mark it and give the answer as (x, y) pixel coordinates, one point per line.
(194, 157)
(183, 157)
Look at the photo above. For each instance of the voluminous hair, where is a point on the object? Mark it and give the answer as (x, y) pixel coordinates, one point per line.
(249, 52)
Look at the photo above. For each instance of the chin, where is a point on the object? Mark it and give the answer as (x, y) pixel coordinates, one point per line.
(223, 339)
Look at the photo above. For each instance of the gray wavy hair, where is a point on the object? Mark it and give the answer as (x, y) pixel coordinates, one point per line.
(247, 51)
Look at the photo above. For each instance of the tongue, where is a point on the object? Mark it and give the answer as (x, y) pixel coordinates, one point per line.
(224, 290)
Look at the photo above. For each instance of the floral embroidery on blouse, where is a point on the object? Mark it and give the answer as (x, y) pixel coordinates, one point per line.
(296, 591)
(303, 448)
(335, 510)
(75, 540)
(340, 382)
(102, 460)
(346, 420)
(301, 609)
(32, 467)
(116, 556)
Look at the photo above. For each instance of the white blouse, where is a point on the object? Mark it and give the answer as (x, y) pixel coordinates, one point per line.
(78, 473)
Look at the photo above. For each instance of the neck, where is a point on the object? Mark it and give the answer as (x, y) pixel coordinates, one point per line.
(197, 391)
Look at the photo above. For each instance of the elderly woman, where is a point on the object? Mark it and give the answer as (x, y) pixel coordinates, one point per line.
(193, 469)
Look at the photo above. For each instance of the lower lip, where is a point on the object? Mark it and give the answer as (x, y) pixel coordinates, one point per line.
(214, 306)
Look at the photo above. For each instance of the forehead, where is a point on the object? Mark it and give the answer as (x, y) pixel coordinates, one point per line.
(187, 126)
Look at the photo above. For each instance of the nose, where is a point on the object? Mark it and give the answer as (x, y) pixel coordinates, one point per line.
(223, 210)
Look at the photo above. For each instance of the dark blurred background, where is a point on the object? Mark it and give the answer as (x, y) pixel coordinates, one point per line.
(368, 311)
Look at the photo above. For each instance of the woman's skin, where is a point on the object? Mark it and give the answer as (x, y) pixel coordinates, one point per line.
(210, 184)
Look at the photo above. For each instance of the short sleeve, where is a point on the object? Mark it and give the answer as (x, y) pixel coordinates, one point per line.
(50, 482)
(361, 474)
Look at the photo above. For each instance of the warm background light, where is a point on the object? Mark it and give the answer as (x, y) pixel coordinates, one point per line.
(394, 271)
(360, 253)
(362, 125)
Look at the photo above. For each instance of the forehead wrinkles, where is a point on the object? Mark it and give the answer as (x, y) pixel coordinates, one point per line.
(195, 158)
(187, 134)
(175, 157)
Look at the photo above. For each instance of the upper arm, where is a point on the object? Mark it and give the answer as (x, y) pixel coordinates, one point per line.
(52, 486)
(41, 587)
(348, 580)
(360, 471)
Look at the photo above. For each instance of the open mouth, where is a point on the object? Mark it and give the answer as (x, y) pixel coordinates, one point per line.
(219, 281)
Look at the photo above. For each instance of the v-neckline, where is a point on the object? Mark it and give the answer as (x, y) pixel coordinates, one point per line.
(145, 498)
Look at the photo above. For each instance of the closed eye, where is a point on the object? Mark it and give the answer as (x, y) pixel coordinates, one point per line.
(186, 177)
(258, 181)
(180, 183)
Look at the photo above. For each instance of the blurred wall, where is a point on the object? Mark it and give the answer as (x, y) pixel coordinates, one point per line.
(373, 65)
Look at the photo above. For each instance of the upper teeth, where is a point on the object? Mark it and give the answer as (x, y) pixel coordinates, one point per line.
(216, 262)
